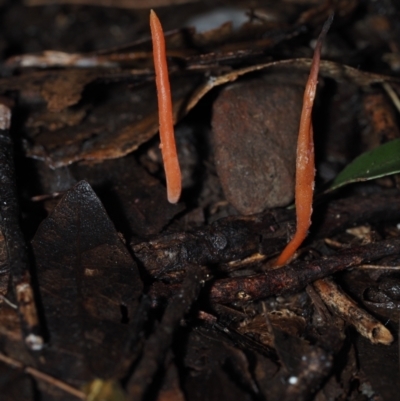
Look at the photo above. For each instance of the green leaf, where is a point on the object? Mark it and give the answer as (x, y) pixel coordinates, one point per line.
(379, 162)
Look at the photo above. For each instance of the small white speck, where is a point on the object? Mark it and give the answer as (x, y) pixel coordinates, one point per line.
(293, 380)
(34, 342)
(398, 226)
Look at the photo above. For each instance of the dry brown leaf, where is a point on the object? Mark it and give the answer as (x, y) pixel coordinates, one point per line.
(59, 89)
(118, 126)
(331, 69)
(97, 141)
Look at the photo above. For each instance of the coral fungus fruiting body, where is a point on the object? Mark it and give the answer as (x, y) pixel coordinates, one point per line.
(305, 166)
(168, 146)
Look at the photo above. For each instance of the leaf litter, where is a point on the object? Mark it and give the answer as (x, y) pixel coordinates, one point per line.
(162, 299)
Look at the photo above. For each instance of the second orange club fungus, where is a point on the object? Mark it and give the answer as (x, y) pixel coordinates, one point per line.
(305, 166)
(168, 147)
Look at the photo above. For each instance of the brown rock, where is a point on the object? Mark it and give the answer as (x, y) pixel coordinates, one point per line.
(255, 125)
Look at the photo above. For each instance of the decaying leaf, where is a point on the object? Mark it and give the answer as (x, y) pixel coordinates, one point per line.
(60, 89)
(121, 122)
(89, 287)
(143, 208)
(337, 71)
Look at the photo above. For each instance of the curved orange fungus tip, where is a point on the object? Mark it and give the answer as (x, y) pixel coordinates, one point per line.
(167, 137)
(305, 166)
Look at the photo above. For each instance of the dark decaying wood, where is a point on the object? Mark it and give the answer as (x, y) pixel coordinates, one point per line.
(159, 342)
(287, 279)
(236, 237)
(297, 275)
(225, 240)
(15, 261)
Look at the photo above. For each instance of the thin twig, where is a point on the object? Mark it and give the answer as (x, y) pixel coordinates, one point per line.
(43, 377)
(347, 309)
(378, 267)
(392, 94)
(8, 302)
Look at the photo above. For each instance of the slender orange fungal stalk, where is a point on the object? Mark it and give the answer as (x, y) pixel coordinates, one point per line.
(167, 137)
(305, 165)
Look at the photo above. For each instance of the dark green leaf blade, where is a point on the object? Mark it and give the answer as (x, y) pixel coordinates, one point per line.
(379, 162)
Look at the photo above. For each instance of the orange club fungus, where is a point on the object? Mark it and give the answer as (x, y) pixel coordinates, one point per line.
(305, 166)
(167, 137)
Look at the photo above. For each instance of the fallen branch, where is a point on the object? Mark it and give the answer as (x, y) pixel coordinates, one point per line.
(226, 240)
(296, 276)
(236, 238)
